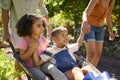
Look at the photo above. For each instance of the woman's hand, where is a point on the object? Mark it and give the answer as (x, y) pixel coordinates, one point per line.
(85, 28)
(111, 36)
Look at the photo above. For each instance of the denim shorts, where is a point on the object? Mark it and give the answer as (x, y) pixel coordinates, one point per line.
(96, 34)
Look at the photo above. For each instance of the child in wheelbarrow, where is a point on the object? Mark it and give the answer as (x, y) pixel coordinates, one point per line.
(32, 43)
(61, 54)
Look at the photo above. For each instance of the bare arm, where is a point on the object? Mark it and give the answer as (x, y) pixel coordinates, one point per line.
(37, 60)
(80, 39)
(89, 9)
(5, 20)
(108, 18)
(86, 13)
(109, 21)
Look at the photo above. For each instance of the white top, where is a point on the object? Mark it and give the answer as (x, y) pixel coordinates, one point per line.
(54, 49)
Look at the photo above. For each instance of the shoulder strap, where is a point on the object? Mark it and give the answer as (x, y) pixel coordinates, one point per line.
(52, 55)
(48, 53)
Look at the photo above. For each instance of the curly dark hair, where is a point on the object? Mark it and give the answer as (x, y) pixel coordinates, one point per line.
(24, 25)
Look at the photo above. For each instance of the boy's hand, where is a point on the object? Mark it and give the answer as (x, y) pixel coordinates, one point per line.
(85, 28)
(33, 44)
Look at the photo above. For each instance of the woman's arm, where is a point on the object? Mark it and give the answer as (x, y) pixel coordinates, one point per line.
(86, 13)
(109, 20)
(85, 27)
(89, 9)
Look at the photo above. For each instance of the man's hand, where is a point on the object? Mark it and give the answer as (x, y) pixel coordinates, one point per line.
(6, 37)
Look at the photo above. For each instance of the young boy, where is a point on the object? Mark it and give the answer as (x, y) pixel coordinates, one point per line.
(61, 54)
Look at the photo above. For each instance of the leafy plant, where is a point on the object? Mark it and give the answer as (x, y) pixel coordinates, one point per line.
(7, 71)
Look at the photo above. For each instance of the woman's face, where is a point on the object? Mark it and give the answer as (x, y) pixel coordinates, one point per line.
(37, 27)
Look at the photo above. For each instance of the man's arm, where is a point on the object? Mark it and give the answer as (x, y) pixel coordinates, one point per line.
(5, 20)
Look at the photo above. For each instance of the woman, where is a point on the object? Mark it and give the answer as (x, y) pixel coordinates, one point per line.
(93, 17)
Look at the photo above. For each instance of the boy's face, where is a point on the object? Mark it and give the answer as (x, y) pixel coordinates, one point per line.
(61, 39)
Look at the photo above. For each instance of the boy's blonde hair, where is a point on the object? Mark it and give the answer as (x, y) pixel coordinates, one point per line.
(56, 31)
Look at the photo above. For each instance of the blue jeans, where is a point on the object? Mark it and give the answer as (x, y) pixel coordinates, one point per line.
(38, 74)
(95, 34)
(53, 71)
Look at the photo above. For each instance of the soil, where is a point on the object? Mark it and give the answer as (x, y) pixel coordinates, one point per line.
(111, 64)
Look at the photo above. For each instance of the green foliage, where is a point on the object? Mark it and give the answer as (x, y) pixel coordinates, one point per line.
(111, 47)
(116, 16)
(116, 13)
(59, 20)
(71, 9)
(53, 6)
(7, 71)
